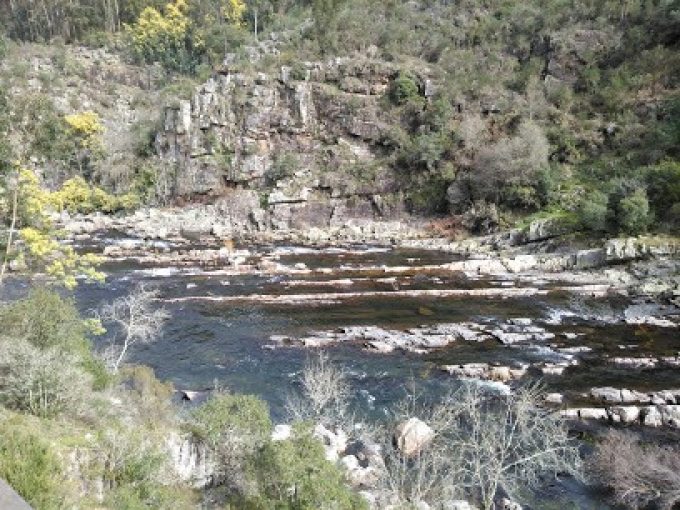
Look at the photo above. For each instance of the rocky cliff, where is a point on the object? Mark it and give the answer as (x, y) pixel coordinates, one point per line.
(302, 144)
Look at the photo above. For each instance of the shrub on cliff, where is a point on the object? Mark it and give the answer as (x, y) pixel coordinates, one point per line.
(47, 363)
(233, 427)
(30, 466)
(663, 188)
(404, 89)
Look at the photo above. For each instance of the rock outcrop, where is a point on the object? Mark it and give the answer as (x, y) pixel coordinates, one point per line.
(305, 140)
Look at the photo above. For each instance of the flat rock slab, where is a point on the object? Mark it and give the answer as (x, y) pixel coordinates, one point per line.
(10, 500)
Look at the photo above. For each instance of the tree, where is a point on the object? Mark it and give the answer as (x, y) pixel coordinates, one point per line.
(324, 393)
(86, 129)
(325, 15)
(43, 382)
(233, 427)
(137, 321)
(295, 474)
(480, 444)
(169, 37)
(592, 211)
(633, 213)
(26, 205)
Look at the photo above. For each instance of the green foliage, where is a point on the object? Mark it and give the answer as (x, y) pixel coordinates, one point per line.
(30, 467)
(284, 165)
(592, 211)
(156, 496)
(404, 89)
(633, 213)
(45, 320)
(231, 414)
(51, 324)
(663, 187)
(42, 382)
(295, 475)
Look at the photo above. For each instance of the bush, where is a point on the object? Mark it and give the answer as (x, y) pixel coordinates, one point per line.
(41, 382)
(76, 195)
(283, 166)
(129, 458)
(663, 187)
(234, 427)
(592, 211)
(294, 474)
(29, 465)
(156, 496)
(225, 414)
(506, 172)
(404, 89)
(170, 38)
(633, 213)
(638, 474)
(45, 319)
(480, 445)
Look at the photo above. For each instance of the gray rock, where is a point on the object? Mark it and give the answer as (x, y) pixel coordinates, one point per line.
(411, 436)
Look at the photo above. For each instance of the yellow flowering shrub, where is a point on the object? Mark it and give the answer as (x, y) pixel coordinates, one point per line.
(87, 127)
(166, 37)
(233, 11)
(76, 195)
(40, 248)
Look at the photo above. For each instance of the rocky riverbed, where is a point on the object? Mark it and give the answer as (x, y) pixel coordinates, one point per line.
(500, 310)
(596, 322)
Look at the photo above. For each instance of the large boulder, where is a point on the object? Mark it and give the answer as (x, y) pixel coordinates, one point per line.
(411, 436)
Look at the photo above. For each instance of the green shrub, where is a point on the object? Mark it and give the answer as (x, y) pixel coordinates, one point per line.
(156, 496)
(633, 213)
(294, 474)
(233, 414)
(49, 322)
(129, 458)
(404, 89)
(592, 211)
(663, 187)
(46, 319)
(29, 465)
(41, 382)
(283, 166)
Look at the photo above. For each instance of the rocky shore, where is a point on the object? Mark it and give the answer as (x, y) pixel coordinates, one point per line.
(645, 266)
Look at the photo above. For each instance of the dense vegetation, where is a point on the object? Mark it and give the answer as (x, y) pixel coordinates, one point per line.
(568, 108)
(74, 432)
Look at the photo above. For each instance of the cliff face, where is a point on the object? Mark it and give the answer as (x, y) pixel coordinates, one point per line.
(307, 141)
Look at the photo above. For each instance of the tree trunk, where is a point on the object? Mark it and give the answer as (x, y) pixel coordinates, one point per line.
(15, 204)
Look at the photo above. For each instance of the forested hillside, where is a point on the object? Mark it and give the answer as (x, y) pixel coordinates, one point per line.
(494, 109)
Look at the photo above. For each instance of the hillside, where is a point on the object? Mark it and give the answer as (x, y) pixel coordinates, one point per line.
(488, 112)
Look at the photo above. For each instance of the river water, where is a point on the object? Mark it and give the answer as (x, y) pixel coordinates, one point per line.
(227, 343)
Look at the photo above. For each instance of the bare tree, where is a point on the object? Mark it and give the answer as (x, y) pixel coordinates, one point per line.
(426, 476)
(480, 444)
(324, 393)
(638, 474)
(137, 320)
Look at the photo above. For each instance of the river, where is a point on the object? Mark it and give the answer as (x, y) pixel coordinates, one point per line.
(226, 340)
